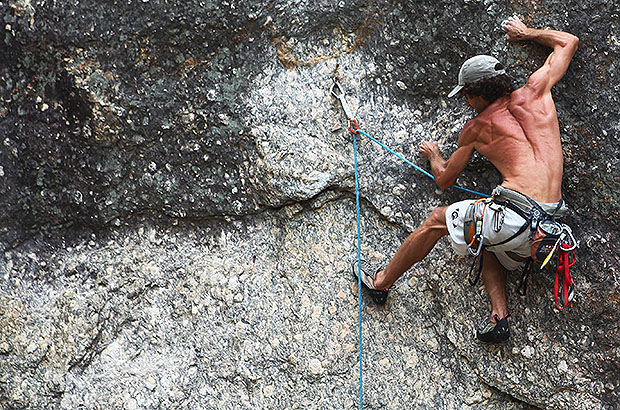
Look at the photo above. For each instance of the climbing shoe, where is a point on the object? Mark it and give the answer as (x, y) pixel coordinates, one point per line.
(368, 277)
(495, 332)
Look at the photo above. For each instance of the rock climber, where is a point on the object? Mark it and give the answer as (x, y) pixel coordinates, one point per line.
(518, 131)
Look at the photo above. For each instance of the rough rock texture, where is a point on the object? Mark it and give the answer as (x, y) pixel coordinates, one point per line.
(177, 207)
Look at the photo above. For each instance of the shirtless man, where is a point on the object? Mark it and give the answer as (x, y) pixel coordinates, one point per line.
(518, 131)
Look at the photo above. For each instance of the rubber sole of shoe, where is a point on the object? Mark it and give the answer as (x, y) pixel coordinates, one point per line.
(377, 296)
(499, 334)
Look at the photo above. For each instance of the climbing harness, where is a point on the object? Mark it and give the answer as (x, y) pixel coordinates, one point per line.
(352, 125)
(548, 236)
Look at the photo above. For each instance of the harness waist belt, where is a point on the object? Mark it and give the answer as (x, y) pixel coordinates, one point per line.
(522, 202)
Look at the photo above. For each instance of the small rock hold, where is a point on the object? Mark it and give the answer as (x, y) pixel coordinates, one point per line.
(563, 366)
(32, 347)
(474, 398)
(315, 367)
(131, 404)
(528, 352)
(150, 383)
(5, 348)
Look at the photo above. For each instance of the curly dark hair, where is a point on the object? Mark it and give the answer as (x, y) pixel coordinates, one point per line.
(491, 88)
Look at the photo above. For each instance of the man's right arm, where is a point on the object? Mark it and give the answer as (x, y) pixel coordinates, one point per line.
(564, 46)
(446, 172)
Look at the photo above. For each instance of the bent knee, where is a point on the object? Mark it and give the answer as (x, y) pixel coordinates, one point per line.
(438, 215)
(437, 220)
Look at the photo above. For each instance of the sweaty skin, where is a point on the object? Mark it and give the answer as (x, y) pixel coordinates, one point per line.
(520, 135)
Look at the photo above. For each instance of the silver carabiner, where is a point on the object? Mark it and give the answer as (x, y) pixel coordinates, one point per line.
(336, 91)
(476, 252)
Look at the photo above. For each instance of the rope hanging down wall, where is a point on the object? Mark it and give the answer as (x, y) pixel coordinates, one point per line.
(336, 91)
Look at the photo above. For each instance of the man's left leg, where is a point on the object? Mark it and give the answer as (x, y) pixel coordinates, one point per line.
(494, 279)
(498, 330)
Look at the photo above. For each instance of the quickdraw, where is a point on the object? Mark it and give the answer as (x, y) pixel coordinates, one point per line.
(566, 260)
(551, 237)
(475, 228)
(564, 245)
(352, 125)
(337, 92)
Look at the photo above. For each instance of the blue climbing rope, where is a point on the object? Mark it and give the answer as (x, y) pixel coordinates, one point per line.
(355, 132)
(337, 92)
(359, 266)
(412, 164)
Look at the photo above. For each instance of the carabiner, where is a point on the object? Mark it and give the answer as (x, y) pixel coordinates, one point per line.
(336, 91)
(353, 127)
(476, 252)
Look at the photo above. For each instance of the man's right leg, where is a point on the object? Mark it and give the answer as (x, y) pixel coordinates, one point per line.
(417, 245)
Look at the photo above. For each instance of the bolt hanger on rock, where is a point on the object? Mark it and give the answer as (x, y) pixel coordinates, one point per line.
(352, 125)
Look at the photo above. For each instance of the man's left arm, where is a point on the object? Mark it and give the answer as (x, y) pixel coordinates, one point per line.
(446, 171)
(563, 44)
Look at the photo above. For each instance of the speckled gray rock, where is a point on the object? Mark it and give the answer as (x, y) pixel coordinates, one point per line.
(178, 207)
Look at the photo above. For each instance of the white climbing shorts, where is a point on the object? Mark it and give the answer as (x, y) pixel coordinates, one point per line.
(511, 254)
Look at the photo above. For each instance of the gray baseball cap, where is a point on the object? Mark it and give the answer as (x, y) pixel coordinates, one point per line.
(475, 69)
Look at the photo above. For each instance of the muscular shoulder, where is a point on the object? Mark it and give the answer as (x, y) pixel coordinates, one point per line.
(475, 129)
(530, 95)
(528, 104)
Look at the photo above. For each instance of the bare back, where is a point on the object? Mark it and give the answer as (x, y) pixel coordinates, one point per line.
(519, 132)
(520, 135)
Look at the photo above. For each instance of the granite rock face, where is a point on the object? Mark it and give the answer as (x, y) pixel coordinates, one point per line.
(178, 209)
